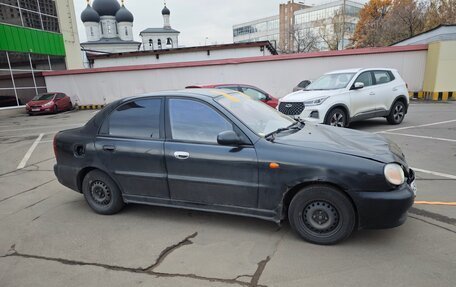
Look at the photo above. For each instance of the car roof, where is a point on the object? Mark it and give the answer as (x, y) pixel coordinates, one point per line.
(191, 92)
(356, 70)
(215, 86)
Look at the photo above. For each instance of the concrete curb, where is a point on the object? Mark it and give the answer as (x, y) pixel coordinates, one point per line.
(90, 107)
(433, 96)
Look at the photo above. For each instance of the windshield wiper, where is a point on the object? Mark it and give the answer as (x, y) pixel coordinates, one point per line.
(298, 125)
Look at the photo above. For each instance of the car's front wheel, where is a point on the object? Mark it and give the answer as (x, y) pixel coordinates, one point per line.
(102, 193)
(337, 118)
(322, 214)
(397, 113)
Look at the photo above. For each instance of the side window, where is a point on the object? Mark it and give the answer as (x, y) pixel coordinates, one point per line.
(254, 94)
(382, 77)
(194, 121)
(59, 96)
(365, 78)
(136, 119)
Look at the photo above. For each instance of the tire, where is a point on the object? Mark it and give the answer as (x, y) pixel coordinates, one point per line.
(102, 193)
(337, 117)
(397, 113)
(321, 214)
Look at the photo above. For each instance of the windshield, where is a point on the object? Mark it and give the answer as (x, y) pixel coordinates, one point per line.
(44, 97)
(331, 82)
(259, 117)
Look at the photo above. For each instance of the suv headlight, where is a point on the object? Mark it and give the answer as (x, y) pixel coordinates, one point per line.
(315, 102)
(394, 174)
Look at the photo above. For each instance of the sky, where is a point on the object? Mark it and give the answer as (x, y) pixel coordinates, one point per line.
(195, 19)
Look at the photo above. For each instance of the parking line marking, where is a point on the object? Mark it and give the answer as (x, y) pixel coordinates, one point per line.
(436, 203)
(421, 137)
(419, 126)
(29, 152)
(435, 173)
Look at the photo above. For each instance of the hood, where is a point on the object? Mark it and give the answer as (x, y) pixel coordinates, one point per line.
(345, 141)
(301, 96)
(38, 103)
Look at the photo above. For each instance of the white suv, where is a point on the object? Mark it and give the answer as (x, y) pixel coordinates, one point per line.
(341, 97)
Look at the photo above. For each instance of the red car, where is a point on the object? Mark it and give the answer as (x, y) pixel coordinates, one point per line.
(49, 103)
(251, 91)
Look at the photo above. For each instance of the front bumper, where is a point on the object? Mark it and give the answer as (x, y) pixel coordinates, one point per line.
(40, 110)
(379, 210)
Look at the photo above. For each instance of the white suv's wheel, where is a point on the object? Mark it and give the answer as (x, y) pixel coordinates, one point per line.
(397, 113)
(337, 118)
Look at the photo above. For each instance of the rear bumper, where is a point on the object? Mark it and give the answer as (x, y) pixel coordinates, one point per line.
(379, 210)
(67, 176)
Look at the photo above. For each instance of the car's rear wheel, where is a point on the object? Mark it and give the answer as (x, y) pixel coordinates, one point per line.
(337, 118)
(102, 193)
(397, 113)
(322, 214)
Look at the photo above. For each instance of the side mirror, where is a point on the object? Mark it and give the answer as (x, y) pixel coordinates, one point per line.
(228, 138)
(357, 86)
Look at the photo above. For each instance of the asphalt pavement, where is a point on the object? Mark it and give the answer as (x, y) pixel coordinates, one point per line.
(50, 237)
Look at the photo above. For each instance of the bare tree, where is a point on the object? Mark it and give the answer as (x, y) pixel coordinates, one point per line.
(304, 40)
(332, 31)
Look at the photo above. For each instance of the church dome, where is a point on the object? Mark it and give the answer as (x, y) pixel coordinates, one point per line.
(123, 15)
(106, 7)
(90, 15)
(166, 11)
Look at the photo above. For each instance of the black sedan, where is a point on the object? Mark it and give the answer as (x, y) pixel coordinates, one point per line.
(220, 151)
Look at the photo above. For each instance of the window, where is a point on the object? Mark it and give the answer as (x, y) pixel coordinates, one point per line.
(194, 121)
(159, 43)
(91, 31)
(126, 31)
(254, 94)
(365, 78)
(382, 77)
(137, 119)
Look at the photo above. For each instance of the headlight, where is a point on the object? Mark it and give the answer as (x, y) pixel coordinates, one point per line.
(394, 174)
(315, 102)
(48, 104)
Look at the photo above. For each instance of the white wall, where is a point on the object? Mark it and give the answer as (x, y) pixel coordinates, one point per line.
(276, 77)
(163, 37)
(181, 57)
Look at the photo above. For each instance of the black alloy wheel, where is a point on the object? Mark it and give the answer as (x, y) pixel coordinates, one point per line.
(322, 214)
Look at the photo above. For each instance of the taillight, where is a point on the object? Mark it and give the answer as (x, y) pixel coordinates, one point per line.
(54, 145)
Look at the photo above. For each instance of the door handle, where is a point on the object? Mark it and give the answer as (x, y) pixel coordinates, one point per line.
(371, 94)
(181, 155)
(394, 89)
(109, 148)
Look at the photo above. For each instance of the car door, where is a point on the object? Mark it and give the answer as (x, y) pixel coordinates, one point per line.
(385, 89)
(362, 101)
(60, 102)
(130, 146)
(199, 169)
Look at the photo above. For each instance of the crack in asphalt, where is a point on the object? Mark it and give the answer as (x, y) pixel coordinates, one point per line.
(12, 252)
(432, 215)
(168, 250)
(25, 170)
(256, 276)
(433, 224)
(27, 190)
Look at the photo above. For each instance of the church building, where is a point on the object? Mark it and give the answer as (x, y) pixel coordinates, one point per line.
(109, 27)
(160, 38)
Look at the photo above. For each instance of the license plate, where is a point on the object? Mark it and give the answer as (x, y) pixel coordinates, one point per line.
(35, 110)
(413, 186)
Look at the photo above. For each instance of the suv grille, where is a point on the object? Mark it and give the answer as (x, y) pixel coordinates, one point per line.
(291, 109)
